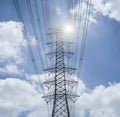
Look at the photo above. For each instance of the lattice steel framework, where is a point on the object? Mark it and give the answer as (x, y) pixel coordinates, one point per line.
(60, 94)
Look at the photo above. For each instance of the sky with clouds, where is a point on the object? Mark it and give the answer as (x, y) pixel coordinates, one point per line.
(99, 83)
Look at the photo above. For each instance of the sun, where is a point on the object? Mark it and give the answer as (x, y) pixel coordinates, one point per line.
(68, 29)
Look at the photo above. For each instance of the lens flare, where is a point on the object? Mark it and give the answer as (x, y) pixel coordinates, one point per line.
(68, 29)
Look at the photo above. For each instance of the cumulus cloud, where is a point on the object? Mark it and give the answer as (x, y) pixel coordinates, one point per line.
(12, 39)
(18, 97)
(108, 8)
(35, 79)
(11, 69)
(101, 101)
(80, 10)
(11, 47)
(33, 42)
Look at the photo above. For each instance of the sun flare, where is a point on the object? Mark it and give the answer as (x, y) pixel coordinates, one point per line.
(68, 29)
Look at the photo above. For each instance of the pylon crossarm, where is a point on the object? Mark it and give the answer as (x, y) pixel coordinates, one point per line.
(54, 42)
(68, 82)
(69, 96)
(68, 54)
(54, 68)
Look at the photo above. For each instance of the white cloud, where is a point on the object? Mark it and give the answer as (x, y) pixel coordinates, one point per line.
(19, 96)
(11, 69)
(33, 42)
(80, 11)
(38, 78)
(102, 101)
(12, 48)
(11, 41)
(108, 8)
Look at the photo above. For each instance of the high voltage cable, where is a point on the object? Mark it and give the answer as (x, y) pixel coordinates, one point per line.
(78, 14)
(47, 17)
(83, 40)
(84, 36)
(17, 6)
(35, 31)
(78, 23)
(74, 22)
(75, 17)
(44, 14)
(48, 13)
(79, 29)
(39, 18)
(45, 6)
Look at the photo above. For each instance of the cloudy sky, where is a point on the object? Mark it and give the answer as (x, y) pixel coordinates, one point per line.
(99, 82)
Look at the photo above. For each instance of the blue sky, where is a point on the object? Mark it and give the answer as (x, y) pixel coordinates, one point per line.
(101, 61)
(100, 69)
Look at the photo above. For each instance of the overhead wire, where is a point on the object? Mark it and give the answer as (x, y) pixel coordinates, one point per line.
(75, 17)
(39, 20)
(78, 25)
(45, 19)
(73, 24)
(79, 31)
(46, 16)
(18, 10)
(34, 29)
(48, 13)
(84, 36)
(35, 32)
(47, 23)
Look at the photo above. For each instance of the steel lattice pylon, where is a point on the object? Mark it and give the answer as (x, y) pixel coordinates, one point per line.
(60, 107)
(60, 94)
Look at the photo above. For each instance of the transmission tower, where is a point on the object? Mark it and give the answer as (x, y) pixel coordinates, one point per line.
(60, 83)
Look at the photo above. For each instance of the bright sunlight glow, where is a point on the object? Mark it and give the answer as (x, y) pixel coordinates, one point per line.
(68, 29)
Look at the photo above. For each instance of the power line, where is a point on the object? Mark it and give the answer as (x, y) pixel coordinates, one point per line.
(46, 15)
(35, 31)
(84, 36)
(17, 6)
